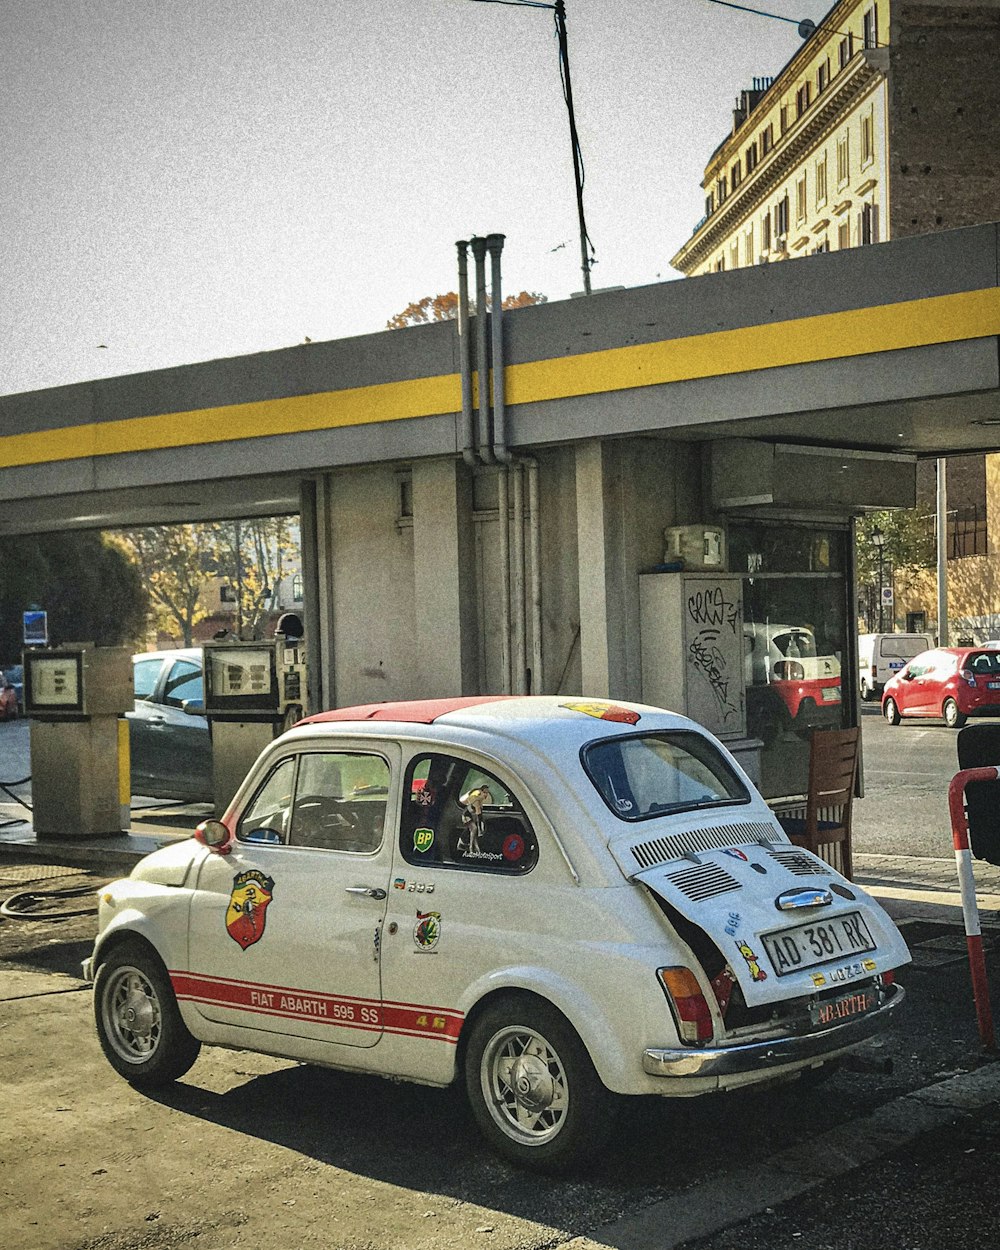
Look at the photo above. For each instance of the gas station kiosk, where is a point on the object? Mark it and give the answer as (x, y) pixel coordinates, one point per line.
(253, 692)
(76, 696)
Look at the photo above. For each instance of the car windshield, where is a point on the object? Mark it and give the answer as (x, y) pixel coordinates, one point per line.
(647, 775)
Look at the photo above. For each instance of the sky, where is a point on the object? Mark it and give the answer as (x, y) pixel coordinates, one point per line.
(186, 180)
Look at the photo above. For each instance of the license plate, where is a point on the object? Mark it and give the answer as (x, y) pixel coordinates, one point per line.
(817, 942)
(895, 664)
(833, 1010)
(831, 694)
(993, 685)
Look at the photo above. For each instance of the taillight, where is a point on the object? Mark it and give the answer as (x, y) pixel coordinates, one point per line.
(691, 1010)
(889, 978)
(968, 676)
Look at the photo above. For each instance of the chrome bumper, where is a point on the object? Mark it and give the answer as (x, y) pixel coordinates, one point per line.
(776, 1051)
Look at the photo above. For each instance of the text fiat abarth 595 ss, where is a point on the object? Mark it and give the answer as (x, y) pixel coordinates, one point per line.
(555, 900)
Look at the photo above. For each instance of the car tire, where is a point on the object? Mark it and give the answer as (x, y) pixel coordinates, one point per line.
(532, 1087)
(138, 1021)
(953, 718)
(891, 712)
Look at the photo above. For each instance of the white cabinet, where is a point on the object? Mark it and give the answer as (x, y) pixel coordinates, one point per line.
(692, 648)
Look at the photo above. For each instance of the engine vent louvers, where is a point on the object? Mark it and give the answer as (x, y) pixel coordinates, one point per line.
(795, 861)
(661, 850)
(703, 881)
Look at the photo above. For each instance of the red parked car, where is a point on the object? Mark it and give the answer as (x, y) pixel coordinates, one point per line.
(952, 682)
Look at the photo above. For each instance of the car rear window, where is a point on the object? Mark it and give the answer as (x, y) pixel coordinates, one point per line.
(642, 776)
(983, 663)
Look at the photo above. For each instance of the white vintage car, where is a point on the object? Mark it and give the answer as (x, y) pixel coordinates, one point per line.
(554, 900)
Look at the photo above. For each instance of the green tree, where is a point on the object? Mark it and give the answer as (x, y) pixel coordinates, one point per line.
(91, 591)
(445, 308)
(907, 536)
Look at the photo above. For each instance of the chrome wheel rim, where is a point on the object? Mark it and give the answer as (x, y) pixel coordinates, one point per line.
(131, 1012)
(525, 1085)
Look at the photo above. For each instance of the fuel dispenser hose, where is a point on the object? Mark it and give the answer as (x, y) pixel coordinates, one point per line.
(20, 906)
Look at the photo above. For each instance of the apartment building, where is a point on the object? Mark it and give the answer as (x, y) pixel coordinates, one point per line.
(884, 123)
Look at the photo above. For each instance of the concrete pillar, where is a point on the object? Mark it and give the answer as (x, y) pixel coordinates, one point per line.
(444, 579)
(592, 545)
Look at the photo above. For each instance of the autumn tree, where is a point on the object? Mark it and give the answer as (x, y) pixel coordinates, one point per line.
(254, 555)
(176, 563)
(445, 308)
(907, 543)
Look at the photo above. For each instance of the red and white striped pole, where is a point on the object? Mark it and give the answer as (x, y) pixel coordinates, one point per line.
(967, 885)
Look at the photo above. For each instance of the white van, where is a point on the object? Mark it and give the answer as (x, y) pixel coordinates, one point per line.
(881, 655)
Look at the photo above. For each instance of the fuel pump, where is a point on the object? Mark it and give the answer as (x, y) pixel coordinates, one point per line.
(253, 692)
(76, 697)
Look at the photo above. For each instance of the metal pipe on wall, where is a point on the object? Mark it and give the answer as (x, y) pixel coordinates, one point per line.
(494, 244)
(519, 685)
(478, 246)
(465, 355)
(535, 549)
(503, 531)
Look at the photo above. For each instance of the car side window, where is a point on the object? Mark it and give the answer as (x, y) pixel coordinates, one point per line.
(184, 684)
(266, 818)
(340, 800)
(144, 675)
(456, 815)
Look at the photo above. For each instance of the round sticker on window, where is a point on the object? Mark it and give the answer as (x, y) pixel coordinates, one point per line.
(513, 847)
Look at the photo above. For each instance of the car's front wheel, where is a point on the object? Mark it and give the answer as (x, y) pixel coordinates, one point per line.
(532, 1086)
(138, 1021)
(953, 718)
(891, 712)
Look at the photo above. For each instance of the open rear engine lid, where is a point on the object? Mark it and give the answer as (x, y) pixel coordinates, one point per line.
(786, 922)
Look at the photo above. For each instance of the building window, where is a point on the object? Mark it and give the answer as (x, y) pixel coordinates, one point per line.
(823, 76)
(967, 532)
(868, 138)
(751, 158)
(802, 99)
(736, 175)
(765, 233)
(720, 264)
(846, 49)
(821, 180)
(824, 246)
(227, 594)
(734, 255)
(781, 220)
(710, 204)
(868, 224)
(870, 23)
(843, 160)
(844, 235)
(748, 244)
(783, 117)
(721, 190)
(766, 139)
(297, 588)
(800, 199)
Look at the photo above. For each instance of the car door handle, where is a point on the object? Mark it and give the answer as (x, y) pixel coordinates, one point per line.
(366, 890)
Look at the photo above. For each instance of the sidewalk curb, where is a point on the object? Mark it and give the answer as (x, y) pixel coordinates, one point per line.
(715, 1204)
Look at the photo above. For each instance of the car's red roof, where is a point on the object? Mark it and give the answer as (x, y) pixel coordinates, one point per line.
(417, 711)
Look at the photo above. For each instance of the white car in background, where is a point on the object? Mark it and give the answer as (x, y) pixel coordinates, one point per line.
(552, 900)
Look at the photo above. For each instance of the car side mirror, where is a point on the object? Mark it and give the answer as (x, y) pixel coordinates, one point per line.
(214, 835)
(193, 707)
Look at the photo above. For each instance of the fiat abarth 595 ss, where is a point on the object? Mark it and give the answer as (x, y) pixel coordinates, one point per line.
(556, 901)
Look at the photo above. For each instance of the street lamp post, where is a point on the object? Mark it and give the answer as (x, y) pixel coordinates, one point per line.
(878, 538)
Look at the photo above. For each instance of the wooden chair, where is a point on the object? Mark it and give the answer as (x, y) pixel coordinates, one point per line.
(825, 817)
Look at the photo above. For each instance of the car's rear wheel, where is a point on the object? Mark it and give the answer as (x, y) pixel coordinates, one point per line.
(891, 712)
(953, 718)
(532, 1087)
(138, 1020)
